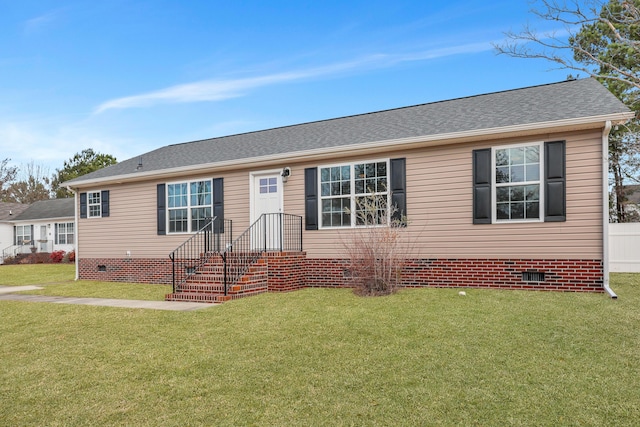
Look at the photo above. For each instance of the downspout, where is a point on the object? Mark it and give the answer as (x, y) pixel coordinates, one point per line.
(605, 209)
(75, 227)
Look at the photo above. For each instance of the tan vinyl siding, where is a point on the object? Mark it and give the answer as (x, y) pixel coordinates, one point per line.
(439, 205)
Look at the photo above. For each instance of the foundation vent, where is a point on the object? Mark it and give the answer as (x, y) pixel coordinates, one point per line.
(532, 276)
(102, 268)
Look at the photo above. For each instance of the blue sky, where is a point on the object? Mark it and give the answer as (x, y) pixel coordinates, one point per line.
(126, 77)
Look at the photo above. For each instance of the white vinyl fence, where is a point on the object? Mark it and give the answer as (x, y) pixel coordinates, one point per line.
(624, 247)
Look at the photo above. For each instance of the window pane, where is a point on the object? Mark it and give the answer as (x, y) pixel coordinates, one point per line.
(346, 172)
(325, 189)
(502, 175)
(325, 175)
(381, 169)
(346, 187)
(533, 172)
(517, 194)
(533, 210)
(502, 158)
(517, 210)
(359, 186)
(516, 156)
(532, 192)
(335, 188)
(502, 194)
(533, 154)
(517, 173)
(370, 170)
(358, 171)
(335, 174)
(502, 211)
(382, 185)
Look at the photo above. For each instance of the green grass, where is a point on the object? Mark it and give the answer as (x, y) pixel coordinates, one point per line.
(90, 289)
(327, 357)
(35, 274)
(58, 280)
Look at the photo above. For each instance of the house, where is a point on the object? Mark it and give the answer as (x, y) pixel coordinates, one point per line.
(7, 212)
(42, 227)
(502, 190)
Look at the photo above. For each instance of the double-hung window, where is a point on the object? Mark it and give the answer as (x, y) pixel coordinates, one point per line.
(23, 234)
(189, 205)
(94, 204)
(64, 233)
(354, 194)
(517, 172)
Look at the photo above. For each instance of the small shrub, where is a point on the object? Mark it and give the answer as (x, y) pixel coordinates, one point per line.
(56, 256)
(71, 256)
(377, 250)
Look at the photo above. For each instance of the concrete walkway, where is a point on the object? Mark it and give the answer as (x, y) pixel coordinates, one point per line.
(7, 293)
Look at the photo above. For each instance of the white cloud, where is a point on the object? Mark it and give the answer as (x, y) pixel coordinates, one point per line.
(36, 24)
(218, 90)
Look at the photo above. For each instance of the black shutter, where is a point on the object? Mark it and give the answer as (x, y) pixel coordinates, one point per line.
(398, 191)
(311, 199)
(482, 186)
(15, 235)
(83, 205)
(162, 210)
(555, 205)
(104, 200)
(218, 204)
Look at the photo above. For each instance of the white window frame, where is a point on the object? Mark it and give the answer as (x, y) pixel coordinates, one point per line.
(539, 182)
(353, 196)
(66, 233)
(23, 235)
(91, 202)
(189, 207)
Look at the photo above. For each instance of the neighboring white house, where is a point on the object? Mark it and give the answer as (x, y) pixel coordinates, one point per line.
(8, 211)
(44, 226)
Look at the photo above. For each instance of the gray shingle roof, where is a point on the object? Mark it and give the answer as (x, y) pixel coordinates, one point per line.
(558, 101)
(9, 211)
(47, 209)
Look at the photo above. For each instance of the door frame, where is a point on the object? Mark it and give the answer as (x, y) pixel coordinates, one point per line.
(252, 190)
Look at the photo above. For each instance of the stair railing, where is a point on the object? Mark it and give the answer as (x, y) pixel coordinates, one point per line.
(272, 232)
(189, 257)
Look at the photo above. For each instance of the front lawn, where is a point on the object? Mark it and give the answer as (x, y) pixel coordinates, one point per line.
(327, 357)
(58, 280)
(35, 274)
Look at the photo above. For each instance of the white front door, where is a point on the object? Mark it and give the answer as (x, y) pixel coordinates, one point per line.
(267, 199)
(43, 238)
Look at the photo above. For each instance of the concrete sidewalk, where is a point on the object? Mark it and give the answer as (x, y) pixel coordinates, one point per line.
(7, 293)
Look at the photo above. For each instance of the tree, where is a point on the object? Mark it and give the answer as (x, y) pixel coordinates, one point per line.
(32, 186)
(7, 175)
(80, 164)
(604, 42)
(602, 39)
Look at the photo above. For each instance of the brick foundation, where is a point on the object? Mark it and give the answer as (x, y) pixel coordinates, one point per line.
(286, 270)
(559, 275)
(289, 271)
(134, 270)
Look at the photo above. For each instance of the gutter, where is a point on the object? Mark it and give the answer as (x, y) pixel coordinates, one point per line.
(605, 209)
(75, 226)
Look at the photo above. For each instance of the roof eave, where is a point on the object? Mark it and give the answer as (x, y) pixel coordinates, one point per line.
(372, 146)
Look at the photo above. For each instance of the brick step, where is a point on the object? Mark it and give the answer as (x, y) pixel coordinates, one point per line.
(210, 298)
(214, 297)
(201, 287)
(205, 278)
(241, 287)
